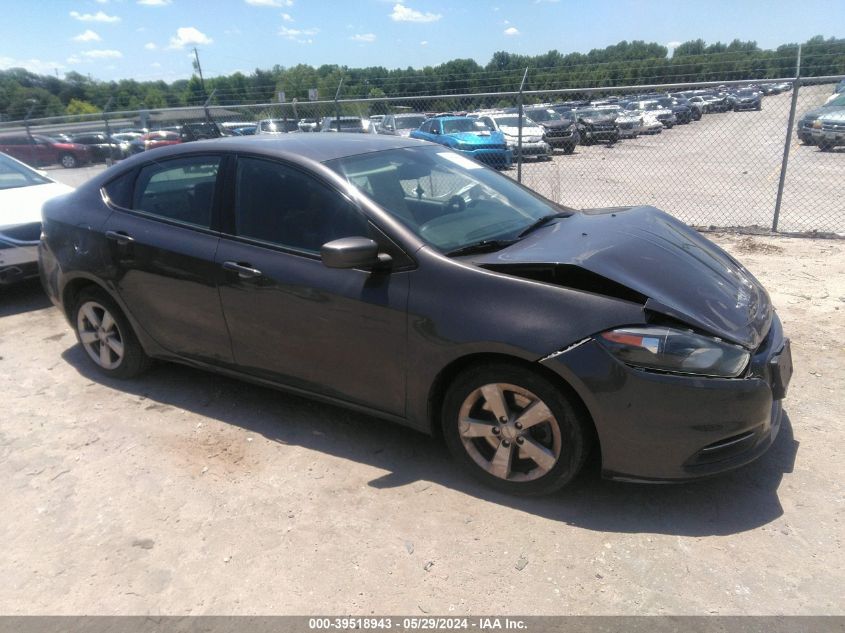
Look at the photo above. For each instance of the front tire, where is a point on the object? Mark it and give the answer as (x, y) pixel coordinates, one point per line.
(514, 430)
(106, 336)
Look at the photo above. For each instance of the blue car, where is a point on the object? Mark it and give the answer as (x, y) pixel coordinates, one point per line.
(467, 136)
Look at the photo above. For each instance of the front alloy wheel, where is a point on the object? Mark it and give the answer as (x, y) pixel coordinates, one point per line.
(509, 432)
(513, 429)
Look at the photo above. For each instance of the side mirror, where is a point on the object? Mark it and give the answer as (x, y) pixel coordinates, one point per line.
(352, 252)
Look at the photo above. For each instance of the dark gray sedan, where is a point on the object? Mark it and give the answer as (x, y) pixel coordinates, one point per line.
(400, 278)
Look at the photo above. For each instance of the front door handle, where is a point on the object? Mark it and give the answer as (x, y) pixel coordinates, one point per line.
(120, 237)
(245, 271)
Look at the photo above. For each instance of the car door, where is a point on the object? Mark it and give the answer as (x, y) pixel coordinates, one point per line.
(341, 333)
(161, 256)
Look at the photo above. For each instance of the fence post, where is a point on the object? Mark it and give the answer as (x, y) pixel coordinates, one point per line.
(205, 106)
(32, 103)
(795, 87)
(110, 159)
(519, 138)
(337, 105)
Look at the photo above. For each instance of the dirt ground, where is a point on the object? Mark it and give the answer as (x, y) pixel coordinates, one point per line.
(187, 493)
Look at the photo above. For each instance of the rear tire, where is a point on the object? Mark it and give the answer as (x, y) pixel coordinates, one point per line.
(514, 430)
(68, 161)
(106, 336)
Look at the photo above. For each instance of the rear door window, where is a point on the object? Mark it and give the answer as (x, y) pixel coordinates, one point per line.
(181, 189)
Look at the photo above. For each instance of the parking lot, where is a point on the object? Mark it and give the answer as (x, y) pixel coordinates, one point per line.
(721, 171)
(183, 492)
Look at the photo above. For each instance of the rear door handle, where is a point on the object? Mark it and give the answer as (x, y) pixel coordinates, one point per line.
(120, 237)
(245, 271)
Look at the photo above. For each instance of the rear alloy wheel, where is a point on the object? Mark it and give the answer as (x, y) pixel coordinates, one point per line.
(68, 161)
(514, 430)
(107, 337)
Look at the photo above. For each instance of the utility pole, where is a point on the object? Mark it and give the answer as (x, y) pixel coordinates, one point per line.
(199, 69)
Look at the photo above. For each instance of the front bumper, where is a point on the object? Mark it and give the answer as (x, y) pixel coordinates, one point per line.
(493, 157)
(662, 427)
(828, 137)
(746, 105)
(19, 253)
(534, 148)
(602, 134)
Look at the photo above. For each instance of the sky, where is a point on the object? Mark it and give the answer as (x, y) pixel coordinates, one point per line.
(154, 39)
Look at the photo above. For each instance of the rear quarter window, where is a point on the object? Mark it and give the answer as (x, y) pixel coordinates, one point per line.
(119, 190)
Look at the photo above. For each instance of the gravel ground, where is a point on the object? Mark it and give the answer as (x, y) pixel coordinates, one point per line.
(187, 493)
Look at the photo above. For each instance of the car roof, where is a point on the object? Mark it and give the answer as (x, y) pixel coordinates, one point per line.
(293, 147)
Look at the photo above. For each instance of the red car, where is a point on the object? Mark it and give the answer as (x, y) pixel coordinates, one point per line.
(153, 140)
(37, 150)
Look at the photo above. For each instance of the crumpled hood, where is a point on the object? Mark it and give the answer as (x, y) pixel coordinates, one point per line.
(682, 274)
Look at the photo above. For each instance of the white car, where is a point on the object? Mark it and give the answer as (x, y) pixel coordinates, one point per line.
(629, 125)
(650, 123)
(533, 143)
(22, 192)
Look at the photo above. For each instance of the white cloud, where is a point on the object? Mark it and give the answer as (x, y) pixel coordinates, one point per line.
(364, 37)
(99, 16)
(101, 54)
(401, 13)
(187, 36)
(87, 36)
(270, 3)
(298, 35)
(37, 66)
(286, 17)
(424, 43)
(150, 46)
(154, 3)
(511, 31)
(73, 59)
(156, 64)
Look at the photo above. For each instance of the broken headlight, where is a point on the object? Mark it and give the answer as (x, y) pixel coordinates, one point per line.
(672, 350)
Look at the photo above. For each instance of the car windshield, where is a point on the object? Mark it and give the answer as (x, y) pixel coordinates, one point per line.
(544, 115)
(409, 122)
(836, 101)
(14, 175)
(448, 200)
(746, 93)
(513, 121)
(593, 112)
(453, 126)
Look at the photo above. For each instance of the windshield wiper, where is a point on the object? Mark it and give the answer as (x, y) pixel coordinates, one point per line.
(484, 246)
(536, 224)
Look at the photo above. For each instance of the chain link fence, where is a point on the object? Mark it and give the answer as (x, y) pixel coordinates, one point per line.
(753, 156)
